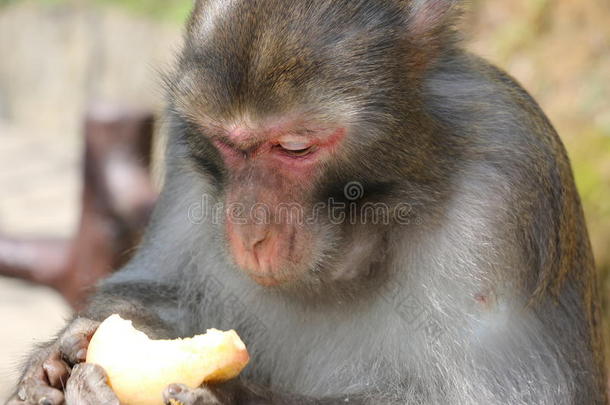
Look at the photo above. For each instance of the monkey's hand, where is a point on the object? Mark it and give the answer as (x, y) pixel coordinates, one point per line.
(229, 393)
(179, 394)
(53, 370)
(243, 393)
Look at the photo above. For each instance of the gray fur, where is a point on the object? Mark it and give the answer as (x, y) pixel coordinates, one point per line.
(486, 295)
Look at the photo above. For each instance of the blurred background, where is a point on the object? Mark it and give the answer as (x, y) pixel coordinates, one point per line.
(69, 70)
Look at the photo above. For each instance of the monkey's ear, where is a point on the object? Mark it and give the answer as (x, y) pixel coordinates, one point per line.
(431, 26)
(429, 16)
(196, 12)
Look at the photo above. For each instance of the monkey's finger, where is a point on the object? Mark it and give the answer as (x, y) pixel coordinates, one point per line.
(173, 393)
(75, 341)
(15, 401)
(34, 392)
(57, 372)
(88, 385)
(35, 389)
(74, 347)
(180, 394)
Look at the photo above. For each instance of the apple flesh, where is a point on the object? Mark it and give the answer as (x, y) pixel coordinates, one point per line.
(139, 369)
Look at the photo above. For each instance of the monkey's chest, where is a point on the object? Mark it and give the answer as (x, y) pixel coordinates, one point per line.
(324, 353)
(325, 358)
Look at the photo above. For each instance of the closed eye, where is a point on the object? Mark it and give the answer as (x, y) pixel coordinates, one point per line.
(294, 152)
(295, 145)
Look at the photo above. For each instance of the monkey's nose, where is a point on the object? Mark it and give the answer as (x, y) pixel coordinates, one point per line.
(251, 246)
(258, 252)
(254, 237)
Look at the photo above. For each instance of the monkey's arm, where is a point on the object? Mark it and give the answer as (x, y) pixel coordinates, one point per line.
(55, 375)
(152, 306)
(53, 366)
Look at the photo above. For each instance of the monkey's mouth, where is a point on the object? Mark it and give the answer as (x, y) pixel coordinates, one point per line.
(270, 281)
(270, 255)
(273, 277)
(279, 272)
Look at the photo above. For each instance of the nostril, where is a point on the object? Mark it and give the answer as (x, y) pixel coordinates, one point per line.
(255, 236)
(257, 247)
(249, 244)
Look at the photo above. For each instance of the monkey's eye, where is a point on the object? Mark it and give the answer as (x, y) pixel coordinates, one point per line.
(295, 145)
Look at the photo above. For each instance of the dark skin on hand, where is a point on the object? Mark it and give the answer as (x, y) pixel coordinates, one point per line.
(398, 220)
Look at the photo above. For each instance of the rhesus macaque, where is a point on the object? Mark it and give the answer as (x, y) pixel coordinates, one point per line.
(383, 217)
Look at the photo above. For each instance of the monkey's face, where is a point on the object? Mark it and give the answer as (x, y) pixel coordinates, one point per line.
(288, 102)
(271, 172)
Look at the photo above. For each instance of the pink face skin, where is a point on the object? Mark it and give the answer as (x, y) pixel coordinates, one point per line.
(284, 149)
(272, 166)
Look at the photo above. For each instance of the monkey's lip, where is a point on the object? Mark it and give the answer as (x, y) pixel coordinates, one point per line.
(267, 280)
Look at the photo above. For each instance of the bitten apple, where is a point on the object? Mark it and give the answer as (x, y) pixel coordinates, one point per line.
(139, 369)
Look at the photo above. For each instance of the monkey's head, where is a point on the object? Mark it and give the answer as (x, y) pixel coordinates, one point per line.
(288, 101)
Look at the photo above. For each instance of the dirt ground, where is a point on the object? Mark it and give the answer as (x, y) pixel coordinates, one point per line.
(20, 310)
(62, 58)
(31, 189)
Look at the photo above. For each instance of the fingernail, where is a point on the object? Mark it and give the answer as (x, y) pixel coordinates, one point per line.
(45, 401)
(81, 355)
(174, 389)
(22, 394)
